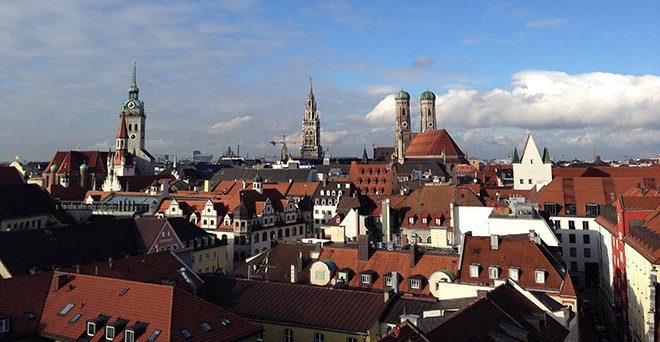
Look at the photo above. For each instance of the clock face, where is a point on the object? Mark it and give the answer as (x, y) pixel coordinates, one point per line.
(131, 105)
(133, 136)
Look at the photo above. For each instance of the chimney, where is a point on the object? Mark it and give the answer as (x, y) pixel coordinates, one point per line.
(78, 268)
(413, 255)
(416, 320)
(61, 280)
(110, 263)
(301, 261)
(534, 236)
(363, 248)
(249, 275)
(244, 184)
(294, 273)
(387, 294)
(494, 242)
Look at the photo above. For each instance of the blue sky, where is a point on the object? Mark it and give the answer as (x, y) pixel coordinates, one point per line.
(577, 75)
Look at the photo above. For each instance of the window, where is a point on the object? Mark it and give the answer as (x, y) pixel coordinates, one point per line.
(186, 334)
(550, 208)
(318, 337)
(4, 325)
(539, 276)
(570, 209)
(208, 257)
(411, 220)
(224, 320)
(206, 326)
(571, 238)
(587, 252)
(522, 181)
(91, 328)
(557, 224)
(474, 270)
(200, 257)
(514, 273)
(129, 336)
(574, 266)
(585, 225)
(571, 224)
(388, 281)
(154, 335)
(529, 181)
(260, 336)
(585, 238)
(558, 235)
(493, 272)
(75, 318)
(109, 333)
(365, 279)
(66, 309)
(573, 251)
(592, 209)
(415, 284)
(288, 335)
(320, 275)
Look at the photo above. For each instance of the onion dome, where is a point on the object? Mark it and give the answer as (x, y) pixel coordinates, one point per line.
(427, 95)
(402, 95)
(84, 167)
(53, 168)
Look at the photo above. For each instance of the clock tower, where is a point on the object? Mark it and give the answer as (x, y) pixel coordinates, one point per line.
(133, 112)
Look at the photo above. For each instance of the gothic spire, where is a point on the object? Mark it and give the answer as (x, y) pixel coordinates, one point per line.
(311, 93)
(133, 90)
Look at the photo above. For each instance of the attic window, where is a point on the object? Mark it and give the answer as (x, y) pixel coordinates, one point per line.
(186, 334)
(474, 270)
(539, 276)
(91, 328)
(206, 326)
(550, 208)
(28, 315)
(411, 220)
(514, 273)
(5, 324)
(224, 320)
(110, 333)
(66, 309)
(438, 221)
(154, 336)
(129, 336)
(424, 220)
(493, 272)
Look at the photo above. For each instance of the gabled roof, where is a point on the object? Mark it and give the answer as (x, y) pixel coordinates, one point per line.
(146, 268)
(383, 262)
(501, 314)
(372, 178)
(165, 308)
(275, 263)
(309, 306)
(609, 171)
(70, 161)
(514, 251)
(435, 199)
(435, 143)
(43, 249)
(21, 295)
(9, 175)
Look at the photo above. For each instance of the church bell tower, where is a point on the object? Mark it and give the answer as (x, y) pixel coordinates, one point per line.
(311, 129)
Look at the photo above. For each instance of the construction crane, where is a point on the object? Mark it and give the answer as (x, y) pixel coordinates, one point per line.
(285, 152)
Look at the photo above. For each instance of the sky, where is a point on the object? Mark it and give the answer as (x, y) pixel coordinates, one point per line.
(578, 75)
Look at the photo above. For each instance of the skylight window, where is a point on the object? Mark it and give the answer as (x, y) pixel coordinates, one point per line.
(75, 318)
(206, 326)
(123, 292)
(154, 336)
(224, 320)
(28, 315)
(186, 334)
(66, 309)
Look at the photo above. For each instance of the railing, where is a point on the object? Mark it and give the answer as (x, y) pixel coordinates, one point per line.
(108, 207)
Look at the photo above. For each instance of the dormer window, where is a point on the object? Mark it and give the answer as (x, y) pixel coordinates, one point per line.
(493, 272)
(415, 283)
(109, 333)
(91, 328)
(474, 270)
(539, 276)
(424, 220)
(365, 279)
(5, 324)
(411, 220)
(514, 273)
(388, 281)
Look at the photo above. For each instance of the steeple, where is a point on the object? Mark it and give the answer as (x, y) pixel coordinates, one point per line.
(122, 135)
(311, 129)
(365, 158)
(133, 91)
(175, 164)
(310, 96)
(516, 158)
(546, 156)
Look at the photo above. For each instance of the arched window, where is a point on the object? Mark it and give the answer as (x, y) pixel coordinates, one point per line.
(224, 237)
(286, 232)
(203, 222)
(129, 127)
(243, 224)
(428, 239)
(264, 237)
(256, 238)
(272, 235)
(279, 233)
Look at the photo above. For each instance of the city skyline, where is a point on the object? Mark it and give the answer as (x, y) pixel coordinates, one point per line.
(212, 75)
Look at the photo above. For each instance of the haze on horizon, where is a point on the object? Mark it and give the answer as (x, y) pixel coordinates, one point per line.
(214, 74)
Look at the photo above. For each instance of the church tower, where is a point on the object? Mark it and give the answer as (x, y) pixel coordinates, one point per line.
(402, 132)
(427, 100)
(133, 111)
(311, 129)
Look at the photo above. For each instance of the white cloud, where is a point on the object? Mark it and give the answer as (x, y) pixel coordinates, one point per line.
(229, 126)
(546, 23)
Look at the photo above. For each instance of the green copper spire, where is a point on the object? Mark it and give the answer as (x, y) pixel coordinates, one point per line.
(175, 164)
(133, 90)
(516, 159)
(546, 156)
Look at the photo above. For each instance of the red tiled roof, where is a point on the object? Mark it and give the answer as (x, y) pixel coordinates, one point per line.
(122, 134)
(166, 308)
(524, 254)
(434, 199)
(372, 178)
(70, 161)
(435, 143)
(383, 262)
(302, 305)
(583, 190)
(404, 332)
(10, 175)
(607, 171)
(146, 268)
(21, 294)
